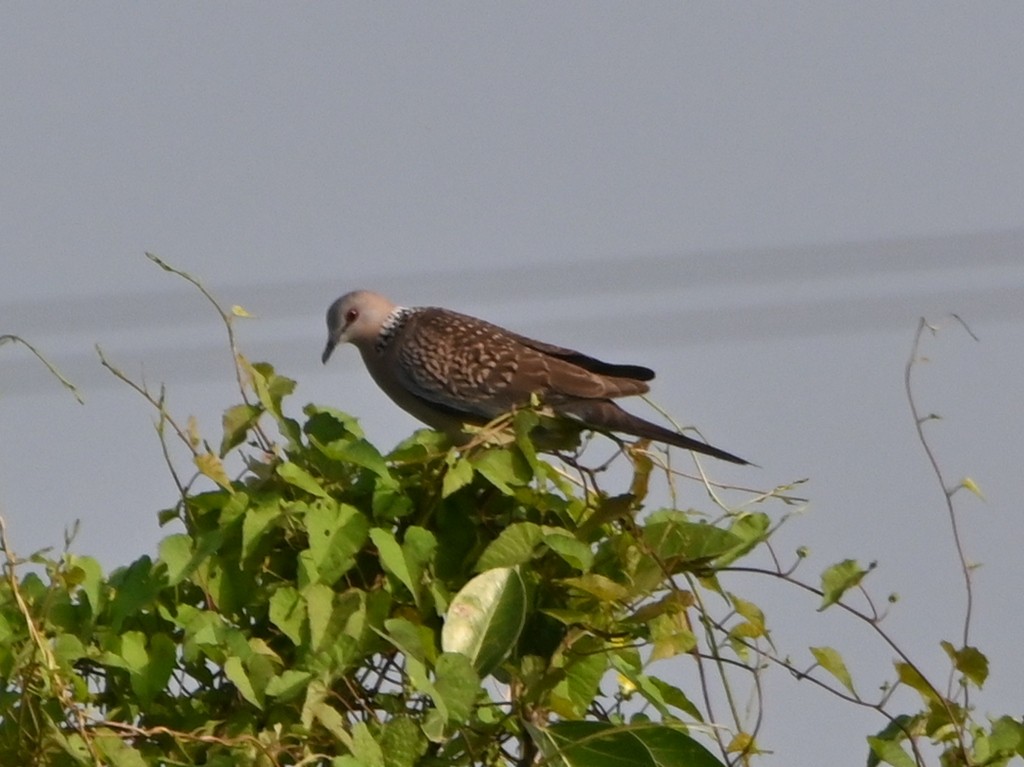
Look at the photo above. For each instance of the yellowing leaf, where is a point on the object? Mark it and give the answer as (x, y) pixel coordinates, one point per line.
(600, 586)
(238, 311)
(969, 484)
(626, 684)
(192, 431)
(671, 636)
(752, 613)
(742, 742)
(830, 660)
(211, 466)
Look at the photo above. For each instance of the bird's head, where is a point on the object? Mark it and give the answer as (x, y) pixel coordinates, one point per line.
(356, 318)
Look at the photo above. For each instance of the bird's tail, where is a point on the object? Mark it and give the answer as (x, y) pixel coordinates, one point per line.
(605, 415)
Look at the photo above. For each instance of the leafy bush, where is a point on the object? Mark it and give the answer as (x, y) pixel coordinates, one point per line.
(434, 606)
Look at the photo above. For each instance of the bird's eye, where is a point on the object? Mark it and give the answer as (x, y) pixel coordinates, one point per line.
(350, 316)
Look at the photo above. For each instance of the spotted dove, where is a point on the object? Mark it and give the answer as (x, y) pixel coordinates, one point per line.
(449, 370)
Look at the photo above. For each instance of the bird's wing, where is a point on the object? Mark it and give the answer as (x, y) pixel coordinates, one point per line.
(468, 366)
(594, 365)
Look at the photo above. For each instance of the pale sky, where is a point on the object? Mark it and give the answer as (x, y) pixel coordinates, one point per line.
(758, 201)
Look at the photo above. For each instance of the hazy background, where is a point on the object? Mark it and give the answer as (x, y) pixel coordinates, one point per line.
(757, 201)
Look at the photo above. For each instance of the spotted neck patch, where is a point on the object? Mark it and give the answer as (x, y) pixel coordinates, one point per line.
(391, 325)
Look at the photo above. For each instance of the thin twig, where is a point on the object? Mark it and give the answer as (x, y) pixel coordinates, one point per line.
(227, 318)
(156, 402)
(947, 492)
(7, 337)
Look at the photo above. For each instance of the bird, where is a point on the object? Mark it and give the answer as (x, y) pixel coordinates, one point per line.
(449, 369)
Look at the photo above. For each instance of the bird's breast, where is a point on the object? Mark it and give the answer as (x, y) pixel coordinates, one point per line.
(384, 371)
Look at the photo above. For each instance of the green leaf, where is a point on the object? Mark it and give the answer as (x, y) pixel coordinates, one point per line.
(434, 725)
(76, 747)
(457, 686)
(91, 580)
(419, 547)
(390, 553)
(684, 545)
(393, 559)
(258, 520)
(838, 579)
(584, 668)
(235, 672)
(150, 661)
(337, 435)
(523, 424)
(236, 422)
(336, 534)
(288, 612)
(361, 453)
(288, 684)
(969, 661)
(503, 468)
(416, 642)
(600, 744)
(365, 748)
(486, 617)
(912, 678)
(402, 742)
(270, 387)
(184, 556)
(420, 446)
(1005, 740)
(830, 660)
(298, 477)
(328, 424)
(133, 650)
(319, 599)
(67, 648)
(366, 616)
(576, 553)
(893, 732)
(515, 545)
(390, 503)
(418, 551)
(568, 617)
(115, 751)
(672, 602)
(203, 629)
(751, 529)
(176, 553)
(608, 510)
(600, 586)
(316, 708)
(890, 752)
(458, 474)
(669, 694)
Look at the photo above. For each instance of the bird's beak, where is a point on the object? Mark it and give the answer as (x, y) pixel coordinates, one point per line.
(331, 343)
